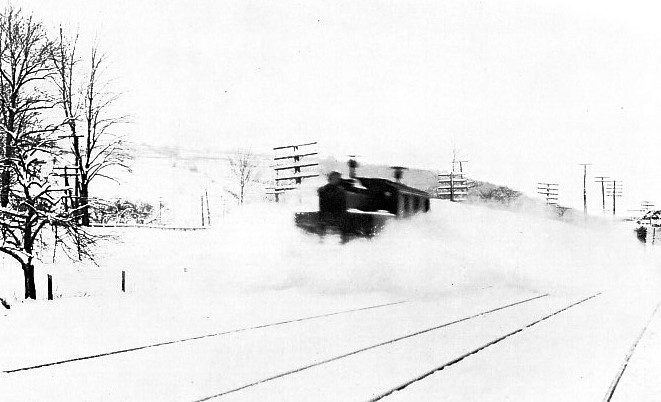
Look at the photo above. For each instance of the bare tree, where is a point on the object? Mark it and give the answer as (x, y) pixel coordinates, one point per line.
(500, 194)
(243, 167)
(124, 211)
(95, 147)
(35, 204)
(24, 62)
(561, 211)
(64, 61)
(32, 211)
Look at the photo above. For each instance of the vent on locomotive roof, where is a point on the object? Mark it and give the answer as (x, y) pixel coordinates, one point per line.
(398, 172)
(353, 164)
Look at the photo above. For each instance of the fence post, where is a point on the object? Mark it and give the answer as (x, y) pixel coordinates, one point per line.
(50, 287)
(124, 281)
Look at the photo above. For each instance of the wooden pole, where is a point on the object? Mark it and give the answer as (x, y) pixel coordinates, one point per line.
(452, 186)
(50, 287)
(603, 200)
(614, 191)
(202, 208)
(124, 281)
(602, 180)
(206, 193)
(585, 193)
(66, 184)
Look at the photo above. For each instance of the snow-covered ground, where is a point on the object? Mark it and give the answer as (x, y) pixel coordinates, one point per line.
(256, 307)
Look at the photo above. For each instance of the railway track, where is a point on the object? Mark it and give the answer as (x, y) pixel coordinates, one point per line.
(616, 380)
(375, 346)
(493, 342)
(199, 337)
(333, 358)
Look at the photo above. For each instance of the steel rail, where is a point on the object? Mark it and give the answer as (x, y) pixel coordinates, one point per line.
(233, 331)
(364, 349)
(476, 350)
(623, 367)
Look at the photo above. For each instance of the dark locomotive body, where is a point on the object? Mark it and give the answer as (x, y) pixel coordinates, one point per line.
(368, 204)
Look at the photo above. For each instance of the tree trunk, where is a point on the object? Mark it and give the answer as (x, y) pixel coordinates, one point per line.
(4, 193)
(28, 273)
(8, 150)
(84, 204)
(6, 171)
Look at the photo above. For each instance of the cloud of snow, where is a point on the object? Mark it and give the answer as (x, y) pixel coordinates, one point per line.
(258, 248)
(454, 246)
(468, 246)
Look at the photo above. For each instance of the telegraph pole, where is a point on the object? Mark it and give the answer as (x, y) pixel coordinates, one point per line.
(602, 180)
(76, 200)
(461, 165)
(585, 194)
(292, 164)
(206, 194)
(202, 208)
(69, 171)
(452, 186)
(160, 208)
(549, 191)
(615, 189)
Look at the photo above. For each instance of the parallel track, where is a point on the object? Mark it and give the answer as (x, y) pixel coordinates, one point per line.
(391, 391)
(354, 352)
(478, 349)
(233, 331)
(623, 367)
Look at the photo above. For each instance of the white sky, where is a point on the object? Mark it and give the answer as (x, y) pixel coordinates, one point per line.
(525, 92)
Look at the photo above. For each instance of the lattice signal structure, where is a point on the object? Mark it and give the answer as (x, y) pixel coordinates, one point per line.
(293, 164)
(452, 186)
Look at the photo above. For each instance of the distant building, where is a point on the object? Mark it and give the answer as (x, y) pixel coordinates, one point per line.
(651, 219)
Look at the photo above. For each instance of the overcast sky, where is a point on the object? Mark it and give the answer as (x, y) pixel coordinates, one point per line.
(523, 90)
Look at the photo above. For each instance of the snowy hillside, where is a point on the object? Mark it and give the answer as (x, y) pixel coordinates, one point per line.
(178, 177)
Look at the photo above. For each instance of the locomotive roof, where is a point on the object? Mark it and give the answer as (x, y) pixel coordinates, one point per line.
(371, 181)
